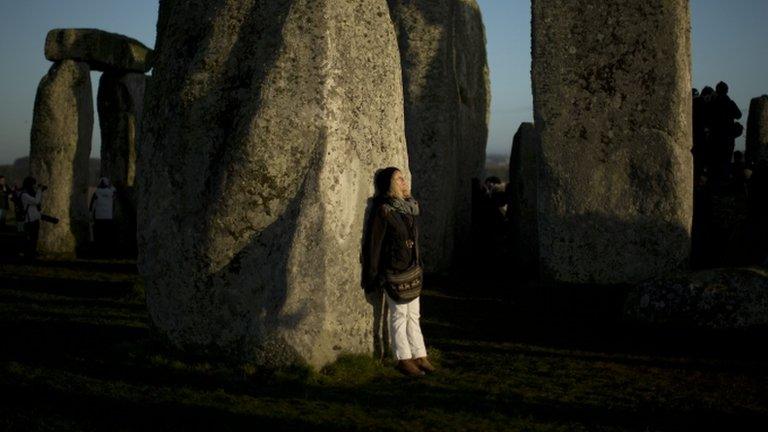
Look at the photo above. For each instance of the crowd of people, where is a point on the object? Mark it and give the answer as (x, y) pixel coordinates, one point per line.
(730, 192)
(28, 202)
(730, 195)
(27, 205)
(715, 129)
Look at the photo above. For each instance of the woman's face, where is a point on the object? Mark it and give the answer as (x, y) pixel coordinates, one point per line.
(400, 186)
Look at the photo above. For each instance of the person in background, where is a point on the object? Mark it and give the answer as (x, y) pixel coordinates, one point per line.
(31, 201)
(18, 207)
(102, 209)
(5, 205)
(724, 131)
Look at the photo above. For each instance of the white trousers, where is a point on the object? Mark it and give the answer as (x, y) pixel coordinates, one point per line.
(404, 329)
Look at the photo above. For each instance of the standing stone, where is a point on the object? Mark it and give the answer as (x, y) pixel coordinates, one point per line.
(447, 97)
(612, 107)
(103, 51)
(62, 126)
(757, 130)
(120, 102)
(522, 209)
(265, 123)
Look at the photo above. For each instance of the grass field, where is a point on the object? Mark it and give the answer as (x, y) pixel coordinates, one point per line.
(77, 354)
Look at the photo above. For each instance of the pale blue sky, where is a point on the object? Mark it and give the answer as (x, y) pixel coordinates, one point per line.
(730, 43)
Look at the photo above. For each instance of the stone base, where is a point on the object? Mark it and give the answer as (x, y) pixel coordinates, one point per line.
(722, 299)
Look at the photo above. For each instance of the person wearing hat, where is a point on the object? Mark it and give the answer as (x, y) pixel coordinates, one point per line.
(393, 250)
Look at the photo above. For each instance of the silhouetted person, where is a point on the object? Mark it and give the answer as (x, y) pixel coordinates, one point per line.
(723, 131)
(737, 176)
(700, 130)
(701, 244)
(5, 204)
(18, 207)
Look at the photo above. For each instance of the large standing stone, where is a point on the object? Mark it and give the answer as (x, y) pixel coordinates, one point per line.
(522, 209)
(102, 50)
(120, 103)
(612, 106)
(265, 122)
(757, 130)
(62, 126)
(447, 97)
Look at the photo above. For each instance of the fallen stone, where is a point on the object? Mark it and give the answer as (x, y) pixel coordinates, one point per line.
(722, 299)
(103, 51)
(259, 145)
(757, 130)
(447, 96)
(60, 146)
(612, 107)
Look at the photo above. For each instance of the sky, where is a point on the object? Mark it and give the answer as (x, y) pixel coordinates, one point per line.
(730, 43)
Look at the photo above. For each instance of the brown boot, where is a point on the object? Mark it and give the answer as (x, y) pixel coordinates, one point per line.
(424, 364)
(409, 368)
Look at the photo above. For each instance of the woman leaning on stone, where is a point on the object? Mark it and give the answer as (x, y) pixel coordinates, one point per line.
(394, 265)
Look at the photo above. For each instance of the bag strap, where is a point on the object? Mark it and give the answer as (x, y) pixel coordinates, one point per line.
(416, 246)
(412, 231)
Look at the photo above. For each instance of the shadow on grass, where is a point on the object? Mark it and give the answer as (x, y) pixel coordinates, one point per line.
(75, 288)
(85, 359)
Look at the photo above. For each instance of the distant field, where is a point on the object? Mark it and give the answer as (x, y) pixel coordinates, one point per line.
(77, 354)
(497, 165)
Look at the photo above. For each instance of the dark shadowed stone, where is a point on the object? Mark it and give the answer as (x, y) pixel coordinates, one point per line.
(447, 96)
(60, 146)
(265, 122)
(612, 107)
(120, 103)
(757, 130)
(715, 299)
(523, 181)
(101, 50)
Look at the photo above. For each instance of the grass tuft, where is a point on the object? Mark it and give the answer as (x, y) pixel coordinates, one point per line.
(352, 369)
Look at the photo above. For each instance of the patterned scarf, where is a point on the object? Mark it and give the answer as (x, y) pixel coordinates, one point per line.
(406, 206)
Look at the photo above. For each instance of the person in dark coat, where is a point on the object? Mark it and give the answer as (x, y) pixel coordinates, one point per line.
(724, 131)
(393, 247)
(5, 204)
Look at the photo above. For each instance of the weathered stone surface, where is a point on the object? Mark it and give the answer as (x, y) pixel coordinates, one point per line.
(757, 130)
(120, 102)
(447, 97)
(521, 211)
(102, 50)
(62, 126)
(264, 124)
(612, 107)
(714, 299)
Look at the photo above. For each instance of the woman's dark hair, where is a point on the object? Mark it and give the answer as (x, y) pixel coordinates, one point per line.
(383, 181)
(29, 185)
